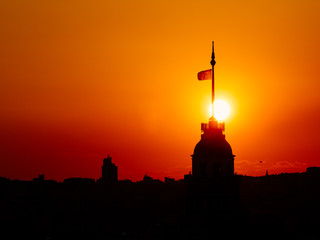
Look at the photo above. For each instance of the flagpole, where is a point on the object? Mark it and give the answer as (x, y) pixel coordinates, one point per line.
(213, 62)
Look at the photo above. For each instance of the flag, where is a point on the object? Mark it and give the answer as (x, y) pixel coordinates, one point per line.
(205, 75)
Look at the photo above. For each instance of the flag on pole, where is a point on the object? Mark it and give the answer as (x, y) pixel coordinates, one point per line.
(205, 75)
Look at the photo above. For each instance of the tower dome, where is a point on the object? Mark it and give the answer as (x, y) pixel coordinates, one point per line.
(212, 156)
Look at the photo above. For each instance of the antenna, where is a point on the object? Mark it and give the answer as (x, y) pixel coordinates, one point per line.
(213, 62)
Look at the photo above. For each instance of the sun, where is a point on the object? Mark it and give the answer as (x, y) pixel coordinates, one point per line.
(221, 110)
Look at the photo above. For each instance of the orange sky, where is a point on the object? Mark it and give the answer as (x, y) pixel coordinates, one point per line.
(81, 79)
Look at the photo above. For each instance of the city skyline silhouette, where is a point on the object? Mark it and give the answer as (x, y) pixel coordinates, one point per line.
(116, 124)
(209, 201)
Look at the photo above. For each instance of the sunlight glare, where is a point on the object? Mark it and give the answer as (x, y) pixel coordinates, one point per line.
(221, 110)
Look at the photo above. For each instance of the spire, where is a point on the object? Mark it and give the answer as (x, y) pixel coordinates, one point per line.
(213, 62)
(209, 75)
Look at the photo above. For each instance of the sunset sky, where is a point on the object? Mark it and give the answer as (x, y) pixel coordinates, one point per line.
(81, 79)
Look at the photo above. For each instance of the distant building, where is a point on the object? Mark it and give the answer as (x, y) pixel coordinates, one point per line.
(313, 170)
(39, 179)
(169, 180)
(109, 171)
(147, 178)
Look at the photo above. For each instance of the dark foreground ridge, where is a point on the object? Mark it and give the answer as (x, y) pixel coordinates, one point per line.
(284, 206)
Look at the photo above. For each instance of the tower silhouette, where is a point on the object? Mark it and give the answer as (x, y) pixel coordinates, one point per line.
(212, 157)
(109, 171)
(213, 187)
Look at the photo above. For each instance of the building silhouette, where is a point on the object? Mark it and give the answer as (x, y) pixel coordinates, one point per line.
(109, 171)
(212, 157)
(213, 188)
